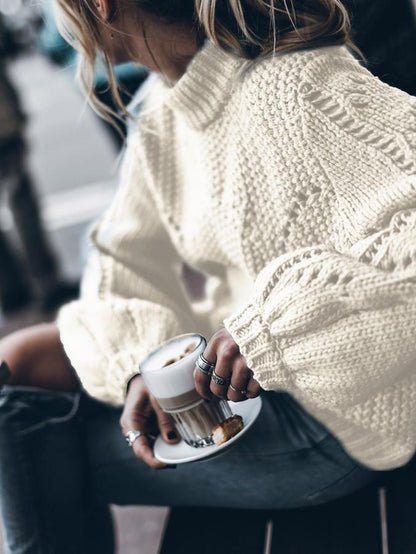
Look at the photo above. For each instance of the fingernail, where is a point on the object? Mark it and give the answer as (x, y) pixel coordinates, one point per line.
(172, 435)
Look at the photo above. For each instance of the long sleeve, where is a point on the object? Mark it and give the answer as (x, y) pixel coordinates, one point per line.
(132, 298)
(335, 323)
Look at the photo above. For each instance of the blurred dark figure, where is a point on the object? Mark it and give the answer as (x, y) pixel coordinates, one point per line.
(36, 279)
(385, 31)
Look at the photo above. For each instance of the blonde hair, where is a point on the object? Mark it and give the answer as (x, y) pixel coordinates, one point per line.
(251, 29)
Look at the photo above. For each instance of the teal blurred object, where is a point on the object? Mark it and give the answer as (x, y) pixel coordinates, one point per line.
(55, 47)
(50, 41)
(129, 76)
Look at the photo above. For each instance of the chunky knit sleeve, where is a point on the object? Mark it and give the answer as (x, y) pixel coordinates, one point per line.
(335, 323)
(132, 298)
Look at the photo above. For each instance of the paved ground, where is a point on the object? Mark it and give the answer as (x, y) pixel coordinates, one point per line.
(74, 164)
(72, 159)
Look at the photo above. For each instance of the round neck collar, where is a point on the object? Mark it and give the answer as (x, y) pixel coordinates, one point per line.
(200, 93)
(202, 90)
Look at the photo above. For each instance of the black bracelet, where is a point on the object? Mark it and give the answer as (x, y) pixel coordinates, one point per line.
(129, 381)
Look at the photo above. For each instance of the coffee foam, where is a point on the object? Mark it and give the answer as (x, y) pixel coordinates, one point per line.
(177, 378)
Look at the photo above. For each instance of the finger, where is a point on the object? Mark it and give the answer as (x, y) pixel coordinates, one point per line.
(144, 452)
(141, 446)
(240, 378)
(223, 371)
(202, 381)
(137, 420)
(166, 426)
(253, 388)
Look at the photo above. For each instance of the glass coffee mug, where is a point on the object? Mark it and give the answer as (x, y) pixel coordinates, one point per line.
(168, 372)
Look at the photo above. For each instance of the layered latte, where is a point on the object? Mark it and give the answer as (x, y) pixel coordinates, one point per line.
(168, 372)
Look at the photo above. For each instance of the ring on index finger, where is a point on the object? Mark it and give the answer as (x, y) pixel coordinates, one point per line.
(219, 380)
(204, 365)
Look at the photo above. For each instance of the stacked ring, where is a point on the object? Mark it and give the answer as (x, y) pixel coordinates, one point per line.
(241, 391)
(219, 380)
(204, 365)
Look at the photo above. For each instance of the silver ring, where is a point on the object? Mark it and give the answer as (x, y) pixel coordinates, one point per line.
(219, 380)
(206, 361)
(132, 435)
(241, 391)
(205, 371)
(204, 365)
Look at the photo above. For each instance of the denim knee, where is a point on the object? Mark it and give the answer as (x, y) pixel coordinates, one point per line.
(28, 409)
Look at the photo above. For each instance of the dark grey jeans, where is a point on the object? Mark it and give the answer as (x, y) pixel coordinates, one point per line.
(63, 459)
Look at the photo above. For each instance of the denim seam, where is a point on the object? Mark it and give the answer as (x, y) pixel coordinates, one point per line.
(36, 390)
(54, 420)
(280, 454)
(336, 483)
(327, 438)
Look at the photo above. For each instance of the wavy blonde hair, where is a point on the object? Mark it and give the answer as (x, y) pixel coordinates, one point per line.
(251, 29)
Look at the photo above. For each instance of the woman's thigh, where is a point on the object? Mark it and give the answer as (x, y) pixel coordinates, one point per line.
(287, 459)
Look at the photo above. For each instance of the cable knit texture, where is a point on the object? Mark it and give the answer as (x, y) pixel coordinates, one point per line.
(291, 184)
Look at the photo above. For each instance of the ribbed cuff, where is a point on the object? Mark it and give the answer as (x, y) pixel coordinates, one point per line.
(123, 367)
(261, 351)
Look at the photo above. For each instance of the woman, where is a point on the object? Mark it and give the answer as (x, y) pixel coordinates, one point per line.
(270, 159)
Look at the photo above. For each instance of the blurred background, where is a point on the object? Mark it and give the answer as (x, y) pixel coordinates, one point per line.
(59, 164)
(58, 171)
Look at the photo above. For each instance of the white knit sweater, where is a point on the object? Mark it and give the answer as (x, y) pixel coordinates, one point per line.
(292, 186)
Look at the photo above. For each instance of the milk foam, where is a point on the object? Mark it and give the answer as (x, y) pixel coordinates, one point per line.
(177, 378)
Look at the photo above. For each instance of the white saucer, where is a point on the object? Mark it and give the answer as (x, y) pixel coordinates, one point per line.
(181, 453)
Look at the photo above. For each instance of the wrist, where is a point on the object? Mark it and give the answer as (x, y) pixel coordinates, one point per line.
(130, 381)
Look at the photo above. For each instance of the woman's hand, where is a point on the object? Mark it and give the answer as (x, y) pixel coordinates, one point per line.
(142, 413)
(230, 364)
